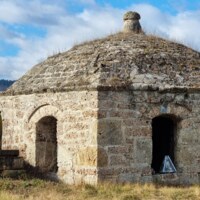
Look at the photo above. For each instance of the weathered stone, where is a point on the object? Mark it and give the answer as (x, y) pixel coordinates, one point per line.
(129, 178)
(118, 149)
(171, 179)
(143, 150)
(92, 156)
(131, 22)
(145, 62)
(138, 131)
(9, 163)
(189, 137)
(117, 160)
(12, 173)
(186, 155)
(102, 158)
(87, 157)
(109, 132)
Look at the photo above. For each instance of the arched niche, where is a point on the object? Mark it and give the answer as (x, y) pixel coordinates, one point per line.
(46, 144)
(33, 121)
(164, 128)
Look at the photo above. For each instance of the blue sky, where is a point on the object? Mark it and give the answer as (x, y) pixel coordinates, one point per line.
(30, 31)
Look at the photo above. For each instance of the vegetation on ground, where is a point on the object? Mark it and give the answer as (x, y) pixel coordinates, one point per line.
(36, 189)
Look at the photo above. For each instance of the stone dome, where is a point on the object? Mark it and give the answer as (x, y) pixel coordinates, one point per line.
(123, 60)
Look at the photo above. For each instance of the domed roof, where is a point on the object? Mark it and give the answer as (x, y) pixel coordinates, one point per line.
(123, 60)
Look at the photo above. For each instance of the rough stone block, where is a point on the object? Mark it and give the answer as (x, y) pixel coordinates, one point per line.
(116, 160)
(189, 136)
(143, 150)
(102, 158)
(92, 156)
(87, 157)
(186, 123)
(186, 155)
(109, 132)
(118, 150)
(138, 131)
(128, 178)
(135, 122)
(12, 173)
(172, 179)
(146, 179)
(8, 163)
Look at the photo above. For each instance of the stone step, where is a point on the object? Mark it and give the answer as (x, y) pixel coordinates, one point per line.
(8, 163)
(9, 153)
(12, 173)
(11, 165)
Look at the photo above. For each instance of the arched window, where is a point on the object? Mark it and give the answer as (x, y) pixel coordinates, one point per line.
(46, 144)
(163, 136)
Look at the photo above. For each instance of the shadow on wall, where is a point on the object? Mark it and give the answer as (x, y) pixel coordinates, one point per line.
(130, 147)
(0, 130)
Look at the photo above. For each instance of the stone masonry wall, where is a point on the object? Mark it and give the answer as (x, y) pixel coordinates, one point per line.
(105, 135)
(125, 134)
(76, 141)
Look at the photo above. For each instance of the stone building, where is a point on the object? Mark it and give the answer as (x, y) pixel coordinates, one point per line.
(109, 110)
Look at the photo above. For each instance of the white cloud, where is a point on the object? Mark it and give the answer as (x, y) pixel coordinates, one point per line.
(152, 19)
(182, 27)
(64, 29)
(10, 12)
(33, 12)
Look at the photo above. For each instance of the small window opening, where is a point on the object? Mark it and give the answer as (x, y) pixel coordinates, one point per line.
(163, 131)
(46, 144)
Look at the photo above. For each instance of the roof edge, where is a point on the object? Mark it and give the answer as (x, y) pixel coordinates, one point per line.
(139, 87)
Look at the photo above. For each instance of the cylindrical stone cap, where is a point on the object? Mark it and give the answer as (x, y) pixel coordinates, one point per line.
(131, 22)
(130, 15)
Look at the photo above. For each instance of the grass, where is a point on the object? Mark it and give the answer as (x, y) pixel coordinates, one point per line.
(37, 189)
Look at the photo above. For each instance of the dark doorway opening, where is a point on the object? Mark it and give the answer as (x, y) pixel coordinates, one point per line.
(163, 128)
(1, 130)
(46, 144)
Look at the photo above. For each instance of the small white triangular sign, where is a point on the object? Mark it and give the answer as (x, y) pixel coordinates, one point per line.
(167, 166)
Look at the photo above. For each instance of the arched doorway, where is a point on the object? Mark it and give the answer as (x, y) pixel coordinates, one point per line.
(1, 130)
(163, 136)
(46, 144)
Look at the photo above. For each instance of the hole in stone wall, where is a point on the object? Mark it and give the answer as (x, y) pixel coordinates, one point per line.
(46, 144)
(163, 128)
(1, 130)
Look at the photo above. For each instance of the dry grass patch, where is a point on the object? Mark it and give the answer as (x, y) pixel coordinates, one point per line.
(37, 189)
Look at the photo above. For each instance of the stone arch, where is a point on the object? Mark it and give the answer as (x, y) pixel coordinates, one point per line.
(34, 117)
(34, 111)
(164, 130)
(42, 111)
(169, 108)
(46, 144)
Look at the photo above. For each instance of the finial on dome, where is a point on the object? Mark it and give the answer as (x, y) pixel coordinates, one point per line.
(131, 22)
